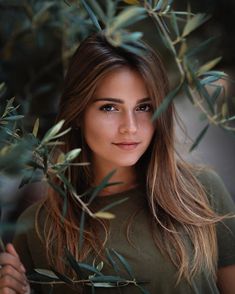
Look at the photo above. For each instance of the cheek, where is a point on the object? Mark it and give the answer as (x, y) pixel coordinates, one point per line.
(146, 126)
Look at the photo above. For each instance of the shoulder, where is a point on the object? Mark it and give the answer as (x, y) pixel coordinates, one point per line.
(216, 190)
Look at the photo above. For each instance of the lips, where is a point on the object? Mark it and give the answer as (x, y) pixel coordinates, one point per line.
(127, 145)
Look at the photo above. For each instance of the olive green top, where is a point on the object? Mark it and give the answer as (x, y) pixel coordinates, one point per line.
(147, 264)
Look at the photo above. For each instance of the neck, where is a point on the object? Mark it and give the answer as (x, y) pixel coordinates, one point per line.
(125, 175)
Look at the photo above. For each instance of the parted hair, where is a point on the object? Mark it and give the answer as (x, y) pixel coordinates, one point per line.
(183, 223)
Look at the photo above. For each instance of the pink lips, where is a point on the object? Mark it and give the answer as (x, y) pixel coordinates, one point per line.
(127, 145)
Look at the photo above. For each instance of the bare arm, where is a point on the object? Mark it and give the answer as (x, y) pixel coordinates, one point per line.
(12, 273)
(226, 279)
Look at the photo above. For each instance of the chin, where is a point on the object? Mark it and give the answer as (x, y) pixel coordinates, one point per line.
(126, 163)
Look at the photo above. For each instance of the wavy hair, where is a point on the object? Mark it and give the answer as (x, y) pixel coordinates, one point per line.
(183, 221)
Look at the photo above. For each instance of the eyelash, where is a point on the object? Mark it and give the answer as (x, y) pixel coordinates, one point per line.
(106, 107)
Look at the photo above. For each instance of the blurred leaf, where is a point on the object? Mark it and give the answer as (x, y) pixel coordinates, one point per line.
(203, 91)
(208, 66)
(159, 5)
(104, 215)
(52, 133)
(175, 24)
(216, 73)
(71, 155)
(166, 102)
(209, 80)
(63, 278)
(200, 47)
(101, 186)
(74, 264)
(216, 94)
(142, 289)
(194, 23)
(107, 279)
(199, 138)
(112, 261)
(124, 263)
(100, 266)
(127, 17)
(91, 15)
(107, 207)
(224, 110)
(46, 273)
(81, 229)
(89, 268)
(98, 10)
(13, 117)
(36, 128)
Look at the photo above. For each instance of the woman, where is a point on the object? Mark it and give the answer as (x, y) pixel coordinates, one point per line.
(172, 228)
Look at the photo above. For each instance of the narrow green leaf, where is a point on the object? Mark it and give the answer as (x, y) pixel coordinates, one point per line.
(142, 289)
(13, 117)
(194, 22)
(166, 102)
(81, 229)
(91, 15)
(104, 215)
(209, 80)
(159, 5)
(74, 264)
(47, 273)
(107, 279)
(57, 189)
(201, 47)
(94, 4)
(203, 91)
(8, 107)
(208, 66)
(112, 261)
(89, 268)
(188, 92)
(111, 9)
(100, 266)
(71, 155)
(52, 131)
(124, 263)
(215, 73)
(128, 17)
(101, 186)
(107, 207)
(63, 278)
(175, 24)
(36, 128)
(199, 138)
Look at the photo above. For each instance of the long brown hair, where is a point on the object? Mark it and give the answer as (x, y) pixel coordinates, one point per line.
(178, 205)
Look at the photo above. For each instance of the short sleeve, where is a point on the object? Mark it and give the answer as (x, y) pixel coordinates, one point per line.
(223, 204)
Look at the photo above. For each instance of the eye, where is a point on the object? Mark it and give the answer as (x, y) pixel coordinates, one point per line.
(147, 107)
(108, 108)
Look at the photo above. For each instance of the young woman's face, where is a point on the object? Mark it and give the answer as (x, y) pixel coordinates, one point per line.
(117, 123)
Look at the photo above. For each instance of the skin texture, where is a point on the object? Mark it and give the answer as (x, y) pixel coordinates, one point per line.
(120, 112)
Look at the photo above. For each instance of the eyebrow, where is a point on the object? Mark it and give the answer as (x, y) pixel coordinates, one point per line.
(119, 100)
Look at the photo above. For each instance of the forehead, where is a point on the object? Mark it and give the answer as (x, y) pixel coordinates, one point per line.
(120, 83)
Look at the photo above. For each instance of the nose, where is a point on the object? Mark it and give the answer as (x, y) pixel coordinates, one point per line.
(129, 123)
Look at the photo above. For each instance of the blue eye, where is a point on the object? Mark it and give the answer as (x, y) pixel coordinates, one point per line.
(108, 108)
(145, 107)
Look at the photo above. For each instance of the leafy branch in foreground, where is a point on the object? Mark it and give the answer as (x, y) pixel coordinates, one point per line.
(90, 275)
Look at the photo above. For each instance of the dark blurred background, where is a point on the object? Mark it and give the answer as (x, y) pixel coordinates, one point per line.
(37, 39)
